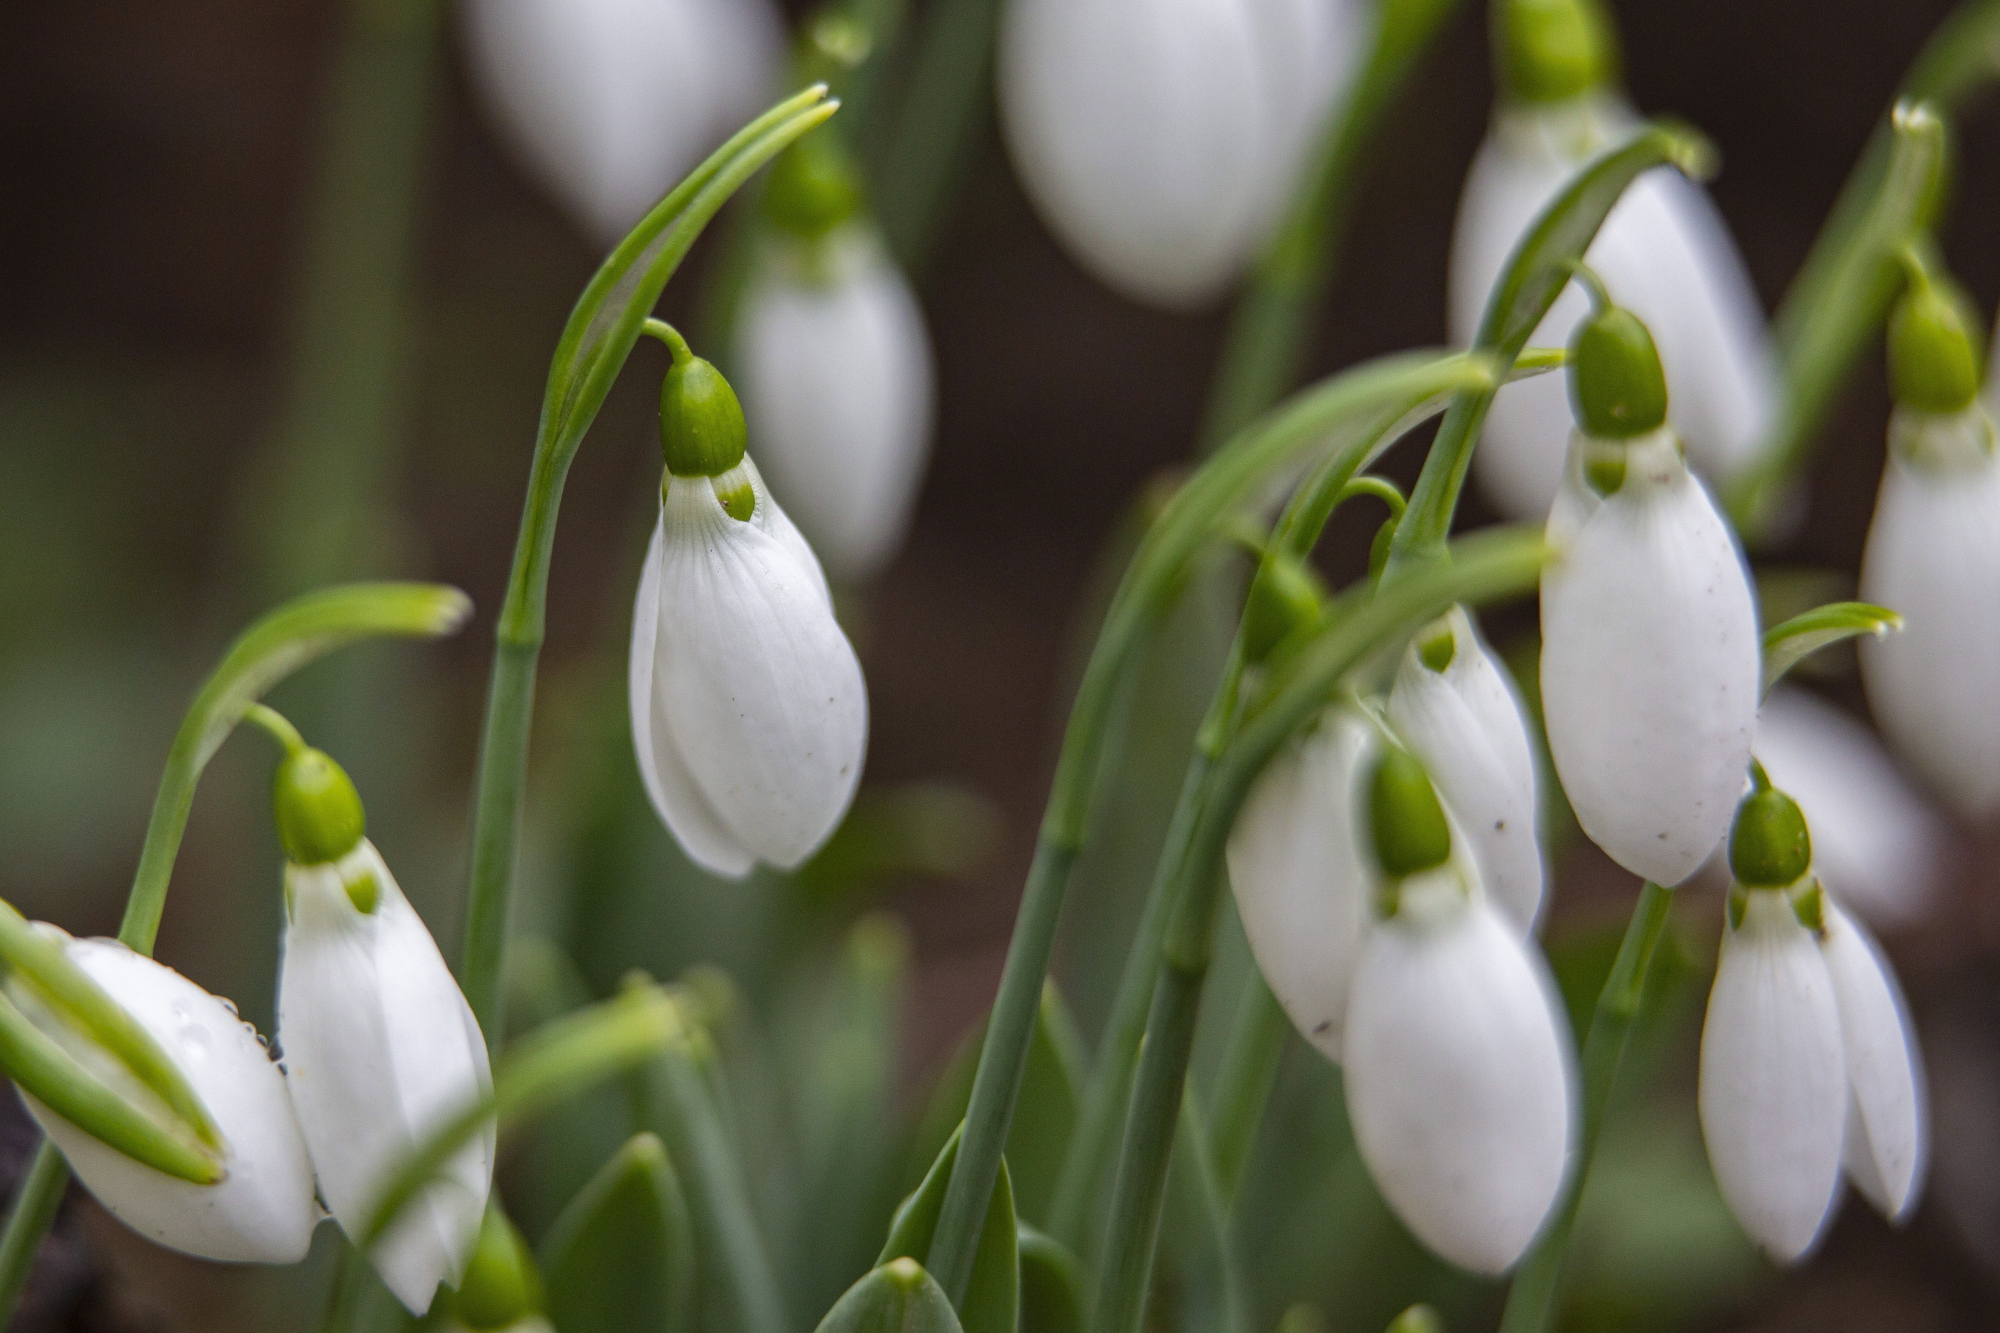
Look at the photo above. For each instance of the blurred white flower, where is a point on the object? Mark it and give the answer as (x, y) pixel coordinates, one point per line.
(835, 370)
(1159, 139)
(1933, 555)
(381, 1050)
(1663, 252)
(611, 102)
(1296, 869)
(263, 1210)
(1455, 706)
(1650, 656)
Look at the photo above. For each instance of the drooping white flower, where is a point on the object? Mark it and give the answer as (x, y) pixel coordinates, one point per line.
(1159, 138)
(381, 1050)
(835, 369)
(611, 102)
(1663, 252)
(1455, 706)
(1887, 1123)
(1876, 842)
(1295, 866)
(1774, 1082)
(1650, 656)
(263, 1210)
(1933, 556)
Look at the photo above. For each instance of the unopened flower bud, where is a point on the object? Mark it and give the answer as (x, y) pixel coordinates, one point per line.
(1769, 847)
(1551, 50)
(1283, 597)
(319, 814)
(1411, 833)
(1934, 354)
(1616, 386)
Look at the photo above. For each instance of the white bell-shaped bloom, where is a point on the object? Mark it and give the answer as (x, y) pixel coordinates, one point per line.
(1160, 138)
(834, 366)
(611, 102)
(1650, 660)
(1467, 724)
(1933, 555)
(1295, 866)
(749, 712)
(1663, 253)
(1459, 1079)
(1774, 1081)
(263, 1209)
(381, 1050)
(1887, 1122)
(1876, 842)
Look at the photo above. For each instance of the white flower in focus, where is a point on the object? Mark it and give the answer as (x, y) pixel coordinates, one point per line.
(1160, 138)
(1887, 1123)
(1295, 866)
(1455, 706)
(263, 1210)
(381, 1050)
(1933, 556)
(835, 370)
(1876, 842)
(1650, 655)
(611, 102)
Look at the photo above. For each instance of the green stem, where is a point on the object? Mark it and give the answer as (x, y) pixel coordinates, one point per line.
(1249, 1067)
(943, 110)
(1531, 1303)
(33, 1213)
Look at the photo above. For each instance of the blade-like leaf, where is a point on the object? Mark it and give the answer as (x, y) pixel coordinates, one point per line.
(898, 1297)
(992, 1294)
(1786, 645)
(621, 1257)
(1051, 1285)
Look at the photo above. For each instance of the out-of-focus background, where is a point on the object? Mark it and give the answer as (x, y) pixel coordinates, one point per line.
(173, 459)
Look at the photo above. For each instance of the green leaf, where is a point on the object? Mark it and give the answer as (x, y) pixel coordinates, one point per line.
(898, 1297)
(621, 1257)
(1051, 1284)
(992, 1294)
(1786, 645)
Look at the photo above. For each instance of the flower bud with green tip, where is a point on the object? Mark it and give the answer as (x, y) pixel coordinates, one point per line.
(1552, 50)
(1284, 597)
(1934, 353)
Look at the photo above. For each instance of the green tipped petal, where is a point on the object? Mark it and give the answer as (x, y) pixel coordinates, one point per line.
(1408, 823)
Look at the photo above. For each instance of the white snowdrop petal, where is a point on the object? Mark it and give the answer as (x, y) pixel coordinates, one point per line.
(611, 102)
(1933, 556)
(263, 1211)
(1886, 1148)
(1295, 867)
(1774, 1079)
(836, 382)
(1650, 668)
(1458, 1077)
(1875, 841)
(1467, 725)
(382, 1050)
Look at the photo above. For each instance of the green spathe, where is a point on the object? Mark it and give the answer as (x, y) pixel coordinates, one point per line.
(1407, 822)
(1934, 353)
(1551, 50)
(319, 814)
(1769, 848)
(1616, 386)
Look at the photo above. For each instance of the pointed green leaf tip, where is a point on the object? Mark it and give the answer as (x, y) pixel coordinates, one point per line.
(898, 1297)
(1786, 645)
(1410, 831)
(1284, 596)
(1550, 50)
(1616, 385)
(1769, 847)
(701, 424)
(621, 1257)
(501, 1286)
(320, 818)
(993, 1292)
(1934, 352)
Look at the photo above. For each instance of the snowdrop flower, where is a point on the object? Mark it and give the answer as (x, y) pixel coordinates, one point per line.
(1160, 138)
(1650, 652)
(1876, 843)
(1933, 554)
(1454, 705)
(1663, 250)
(611, 102)
(1807, 1057)
(381, 1048)
(262, 1208)
(749, 713)
(1459, 1080)
(835, 366)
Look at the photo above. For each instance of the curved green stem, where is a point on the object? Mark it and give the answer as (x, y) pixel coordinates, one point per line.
(275, 725)
(1249, 1068)
(33, 1213)
(1531, 1302)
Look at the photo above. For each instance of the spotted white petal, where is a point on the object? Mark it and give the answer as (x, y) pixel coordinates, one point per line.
(1459, 1080)
(1157, 137)
(1467, 725)
(835, 373)
(263, 1210)
(1933, 555)
(1663, 252)
(611, 102)
(1875, 841)
(749, 713)
(381, 1050)
(1887, 1121)
(1295, 866)
(1774, 1086)
(1650, 663)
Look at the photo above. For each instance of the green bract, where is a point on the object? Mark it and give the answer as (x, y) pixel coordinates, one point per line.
(1934, 353)
(1769, 848)
(319, 813)
(1616, 386)
(1410, 831)
(1549, 50)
